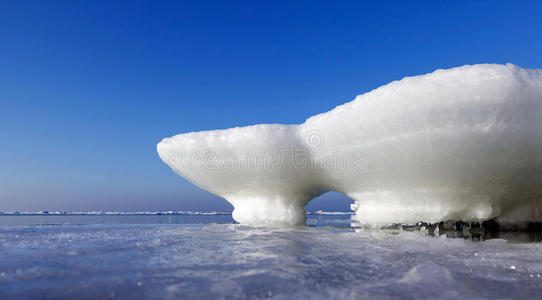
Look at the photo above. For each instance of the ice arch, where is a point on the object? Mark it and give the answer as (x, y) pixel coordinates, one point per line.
(463, 143)
(330, 202)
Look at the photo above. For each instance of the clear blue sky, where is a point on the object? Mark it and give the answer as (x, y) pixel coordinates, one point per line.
(87, 88)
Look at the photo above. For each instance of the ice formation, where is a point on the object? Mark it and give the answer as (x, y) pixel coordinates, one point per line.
(463, 143)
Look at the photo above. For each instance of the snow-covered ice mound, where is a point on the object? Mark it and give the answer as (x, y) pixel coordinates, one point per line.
(463, 144)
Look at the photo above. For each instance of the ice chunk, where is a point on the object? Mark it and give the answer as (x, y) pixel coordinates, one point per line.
(463, 144)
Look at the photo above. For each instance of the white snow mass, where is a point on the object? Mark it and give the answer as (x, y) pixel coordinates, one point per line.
(457, 144)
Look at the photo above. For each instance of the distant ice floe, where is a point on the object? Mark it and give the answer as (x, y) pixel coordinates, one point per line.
(114, 213)
(457, 144)
(320, 212)
(169, 212)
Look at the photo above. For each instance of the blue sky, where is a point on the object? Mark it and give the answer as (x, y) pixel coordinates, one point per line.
(87, 88)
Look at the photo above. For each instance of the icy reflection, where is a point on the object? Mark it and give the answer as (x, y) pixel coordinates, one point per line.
(474, 231)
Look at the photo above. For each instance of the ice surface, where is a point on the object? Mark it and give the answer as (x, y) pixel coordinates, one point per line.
(229, 261)
(462, 144)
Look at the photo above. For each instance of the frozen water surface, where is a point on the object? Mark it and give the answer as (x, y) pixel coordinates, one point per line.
(210, 257)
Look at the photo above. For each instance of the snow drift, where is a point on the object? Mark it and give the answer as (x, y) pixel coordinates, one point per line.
(463, 143)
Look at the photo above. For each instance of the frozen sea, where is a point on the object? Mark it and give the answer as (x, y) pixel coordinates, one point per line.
(211, 257)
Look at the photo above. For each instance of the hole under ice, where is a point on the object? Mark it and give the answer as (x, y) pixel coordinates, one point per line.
(463, 143)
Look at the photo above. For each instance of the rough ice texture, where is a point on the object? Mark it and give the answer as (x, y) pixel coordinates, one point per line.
(227, 261)
(463, 143)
